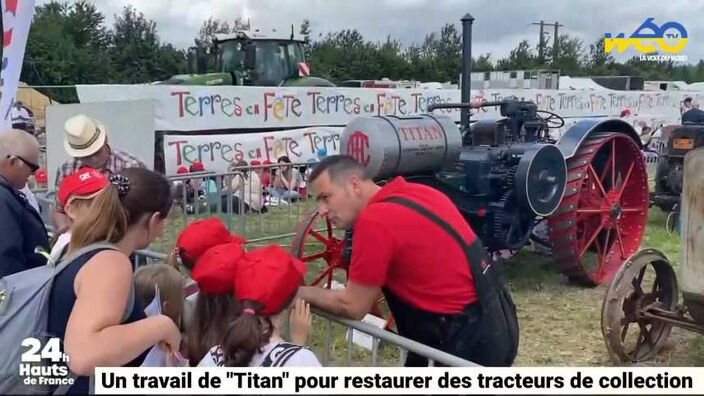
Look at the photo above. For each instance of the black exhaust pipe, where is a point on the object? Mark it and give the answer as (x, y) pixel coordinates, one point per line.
(467, 21)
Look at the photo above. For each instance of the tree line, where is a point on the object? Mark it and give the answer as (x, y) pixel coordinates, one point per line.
(72, 44)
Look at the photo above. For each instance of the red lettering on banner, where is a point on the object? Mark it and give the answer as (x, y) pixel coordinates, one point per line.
(7, 38)
(357, 147)
(180, 100)
(178, 150)
(11, 6)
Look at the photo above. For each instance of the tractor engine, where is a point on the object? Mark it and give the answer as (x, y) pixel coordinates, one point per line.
(670, 168)
(502, 175)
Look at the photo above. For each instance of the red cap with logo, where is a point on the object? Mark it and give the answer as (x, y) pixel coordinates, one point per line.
(201, 235)
(270, 276)
(215, 270)
(86, 183)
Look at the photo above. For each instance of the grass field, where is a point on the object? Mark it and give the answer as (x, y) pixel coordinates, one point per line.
(560, 322)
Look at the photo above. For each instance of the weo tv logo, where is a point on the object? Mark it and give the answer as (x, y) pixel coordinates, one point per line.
(670, 37)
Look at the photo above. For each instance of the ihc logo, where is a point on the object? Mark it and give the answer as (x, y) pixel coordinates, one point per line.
(358, 147)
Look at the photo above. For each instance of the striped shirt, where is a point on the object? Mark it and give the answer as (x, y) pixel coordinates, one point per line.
(119, 160)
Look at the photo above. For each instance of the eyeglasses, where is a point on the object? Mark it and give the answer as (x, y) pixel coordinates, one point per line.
(32, 166)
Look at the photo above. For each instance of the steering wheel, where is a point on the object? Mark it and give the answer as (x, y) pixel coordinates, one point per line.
(552, 120)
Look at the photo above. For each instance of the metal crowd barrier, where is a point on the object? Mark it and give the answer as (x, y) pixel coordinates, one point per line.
(378, 335)
(233, 197)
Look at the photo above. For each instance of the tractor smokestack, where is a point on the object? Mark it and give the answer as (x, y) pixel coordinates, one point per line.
(467, 21)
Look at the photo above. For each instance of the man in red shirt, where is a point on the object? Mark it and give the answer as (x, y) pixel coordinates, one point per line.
(422, 270)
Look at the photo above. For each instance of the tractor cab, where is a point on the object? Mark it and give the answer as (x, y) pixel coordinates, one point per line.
(250, 58)
(260, 60)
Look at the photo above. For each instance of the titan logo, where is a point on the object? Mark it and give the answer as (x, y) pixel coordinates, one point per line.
(358, 146)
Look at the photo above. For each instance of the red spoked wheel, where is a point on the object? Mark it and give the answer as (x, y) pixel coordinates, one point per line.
(601, 219)
(315, 240)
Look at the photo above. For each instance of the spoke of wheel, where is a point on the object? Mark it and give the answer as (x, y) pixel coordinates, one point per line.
(316, 235)
(315, 256)
(638, 345)
(620, 242)
(321, 276)
(624, 331)
(613, 163)
(625, 180)
(637, 281)
(631, 210)
(655, 285)
(327, 223)
(589, 211)
(604, 172)
(596, 181)
(646, 334)
(598, 254)
(602, 254)
(591, 240)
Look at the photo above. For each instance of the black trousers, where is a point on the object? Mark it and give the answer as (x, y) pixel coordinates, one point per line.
(456, 334)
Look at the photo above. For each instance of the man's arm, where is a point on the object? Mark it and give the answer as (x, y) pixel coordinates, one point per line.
(58, 217)
(12, 258)
(354, 301)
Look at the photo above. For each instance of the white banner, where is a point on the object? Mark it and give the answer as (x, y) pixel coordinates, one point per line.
(402, 381)
(197, 108)
(216, 152)
(16, 18)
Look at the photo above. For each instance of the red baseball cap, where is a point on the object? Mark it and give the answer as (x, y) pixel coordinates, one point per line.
(215, 269)
(40, 176)
(86, 183)
(270, 276)
(197, 167)
(256, 162)
(182, 169)
(201, 235)
(267, 162)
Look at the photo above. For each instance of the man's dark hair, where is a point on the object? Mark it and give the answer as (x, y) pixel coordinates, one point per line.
(688, 100)
(338, 166)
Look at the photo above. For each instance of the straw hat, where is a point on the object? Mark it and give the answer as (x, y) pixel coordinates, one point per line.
(84, 136)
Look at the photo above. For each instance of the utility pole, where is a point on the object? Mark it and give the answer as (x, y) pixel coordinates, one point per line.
(541, 42)
(555, 42)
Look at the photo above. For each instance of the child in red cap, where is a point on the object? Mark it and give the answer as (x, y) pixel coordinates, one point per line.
(193, 241)
(259, 285)
(76, 193)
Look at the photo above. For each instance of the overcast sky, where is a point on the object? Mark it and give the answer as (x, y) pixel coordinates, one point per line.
(499, 25)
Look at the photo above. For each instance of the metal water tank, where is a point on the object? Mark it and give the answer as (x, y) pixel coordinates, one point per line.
(389, 146)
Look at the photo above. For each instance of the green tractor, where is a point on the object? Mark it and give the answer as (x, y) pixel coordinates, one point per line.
(250, 58)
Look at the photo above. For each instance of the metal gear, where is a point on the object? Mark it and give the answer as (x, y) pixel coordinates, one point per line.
(512, 226)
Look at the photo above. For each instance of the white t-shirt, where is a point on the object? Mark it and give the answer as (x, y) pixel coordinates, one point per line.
(274, 354)
(252, 190)
(59, 246)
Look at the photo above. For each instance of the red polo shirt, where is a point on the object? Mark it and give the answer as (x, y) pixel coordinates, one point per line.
(397, 247)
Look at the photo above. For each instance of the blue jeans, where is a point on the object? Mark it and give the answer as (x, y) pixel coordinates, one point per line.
(286, 195)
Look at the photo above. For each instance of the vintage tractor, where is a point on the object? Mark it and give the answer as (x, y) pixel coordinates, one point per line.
(641, 304)
(506, 176)
(679, 140)
(250, 58)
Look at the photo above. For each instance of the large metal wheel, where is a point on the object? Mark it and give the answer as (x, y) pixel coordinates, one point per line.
(315, 240)
(601, 219)
(646, 280)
